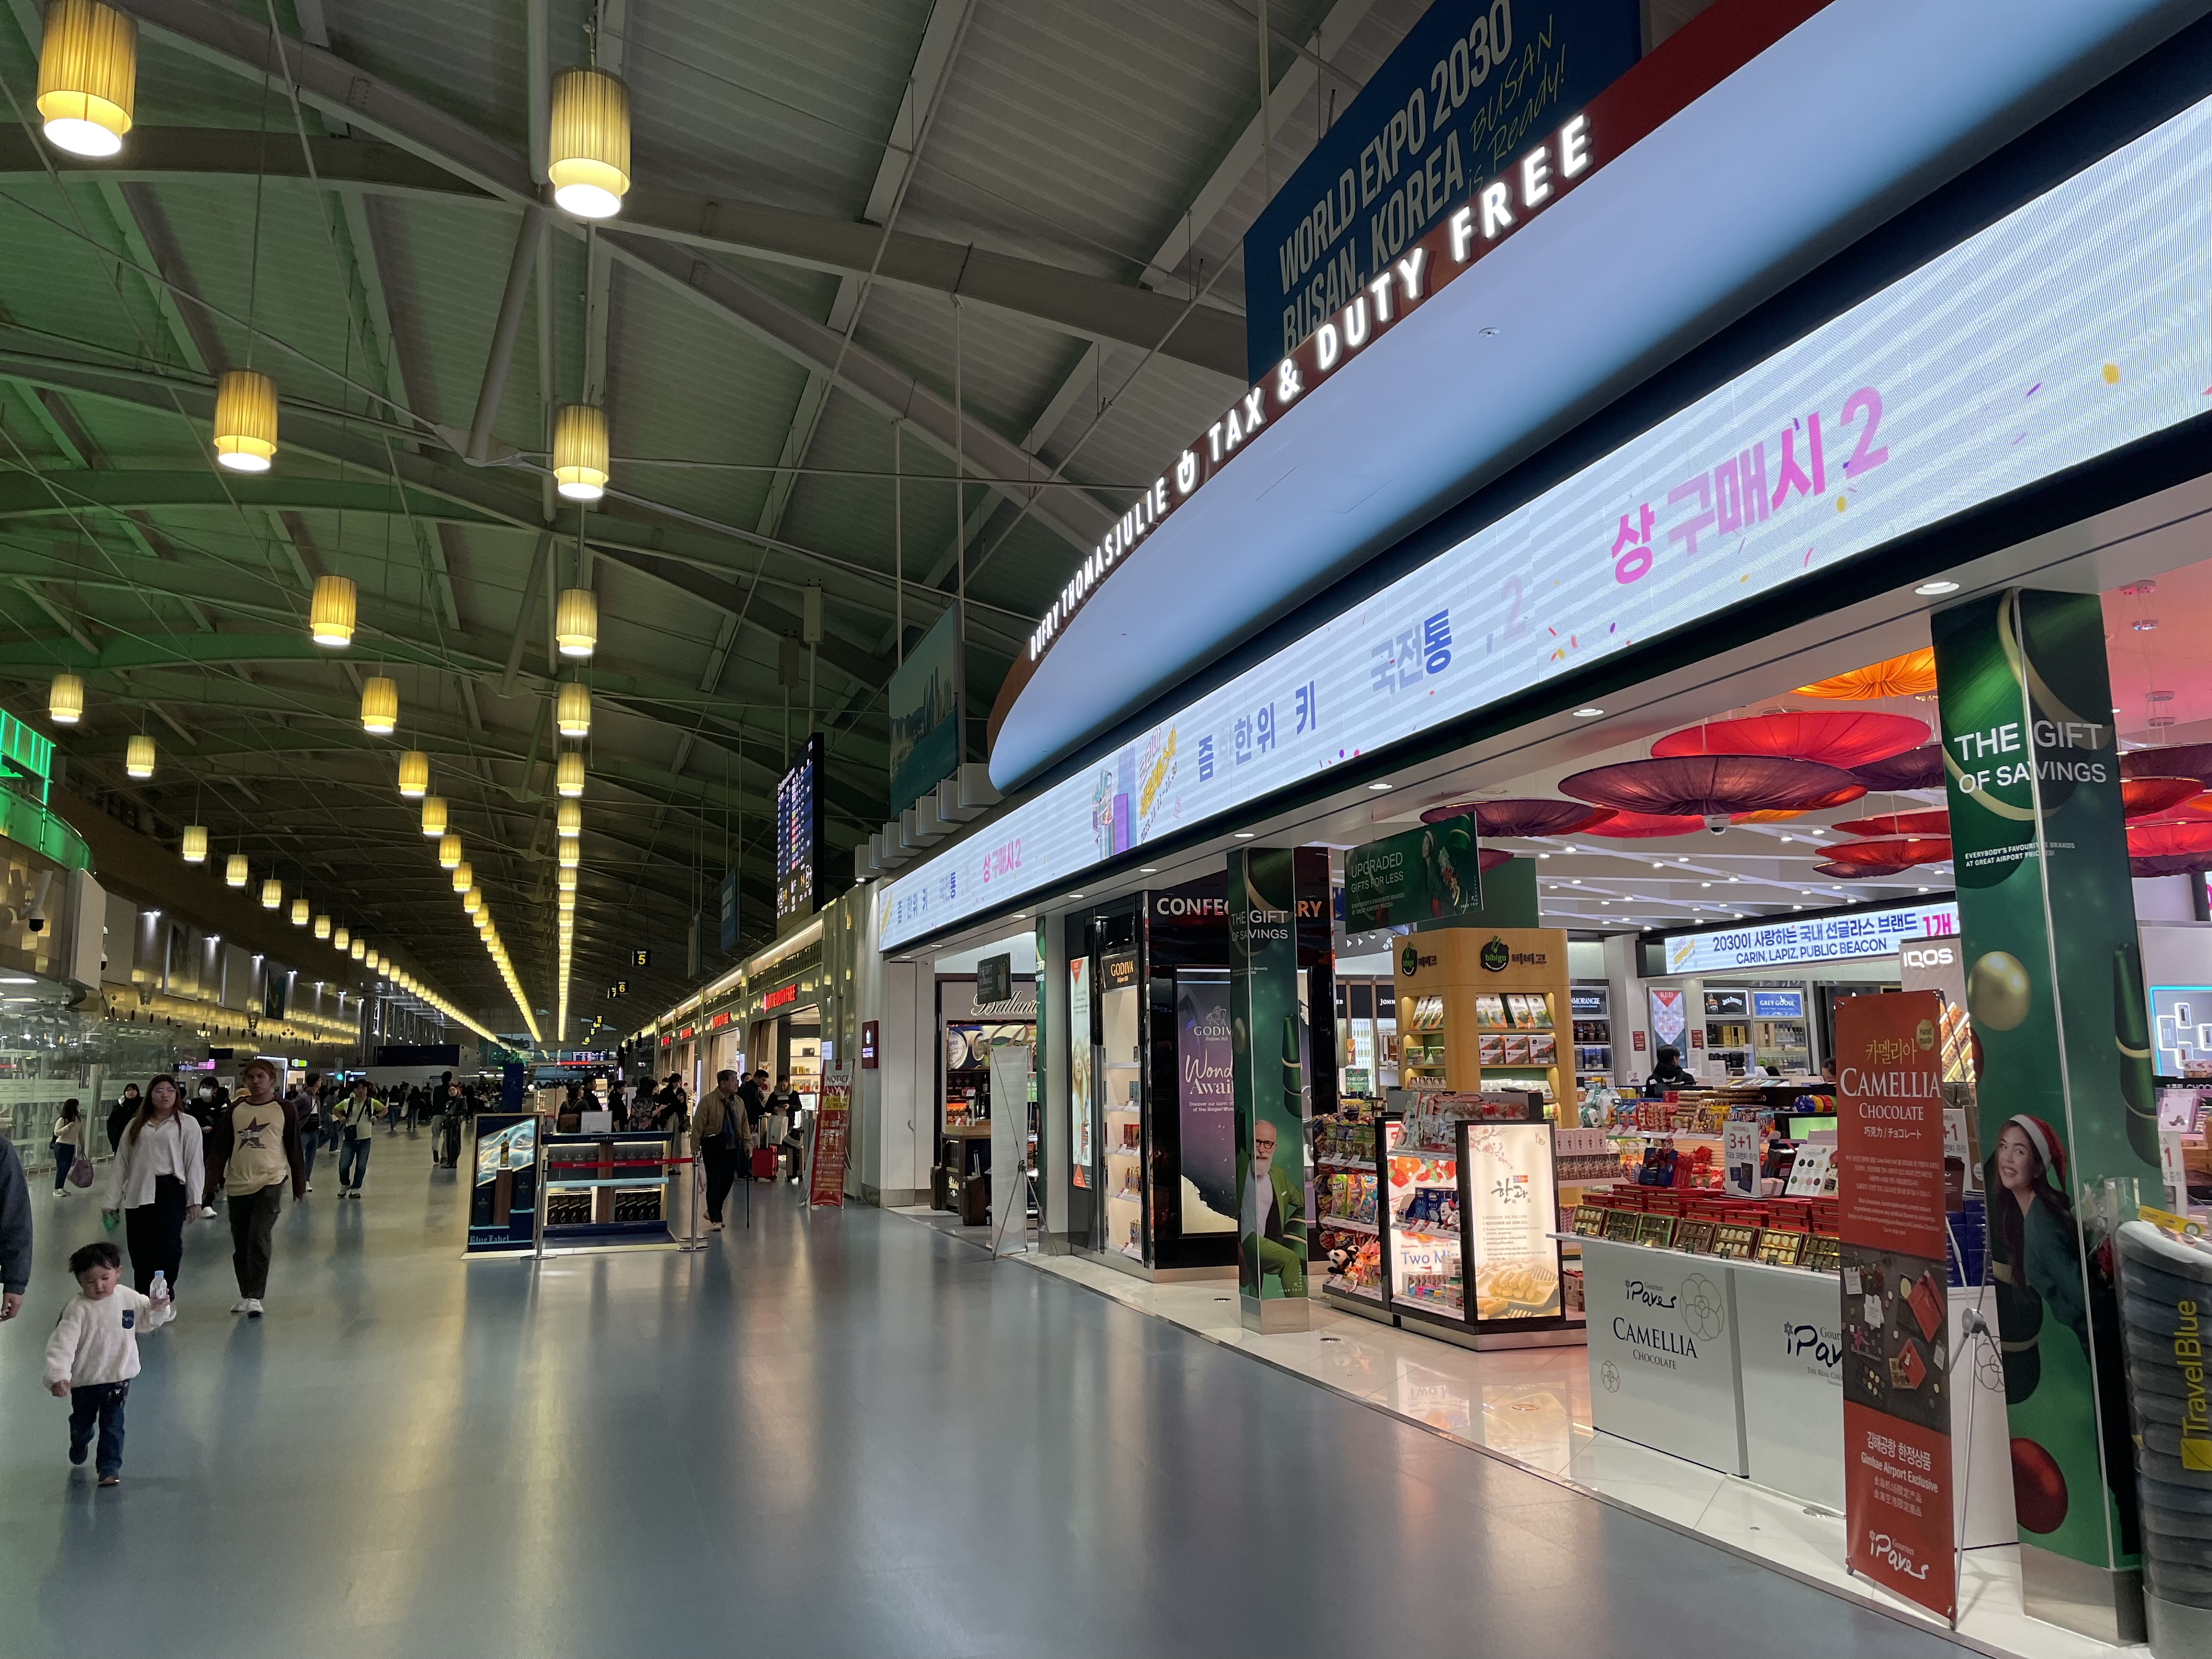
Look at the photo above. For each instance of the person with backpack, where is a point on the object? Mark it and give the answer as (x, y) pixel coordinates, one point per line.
(356, 1119)
(257, 1151)
(69, 1137)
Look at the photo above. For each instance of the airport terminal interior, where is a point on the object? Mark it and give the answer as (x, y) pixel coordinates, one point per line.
(1006, 827)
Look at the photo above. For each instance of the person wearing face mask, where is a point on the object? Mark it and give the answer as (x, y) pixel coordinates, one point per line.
(158, 1165)
(203, 1110)
(258, 1152)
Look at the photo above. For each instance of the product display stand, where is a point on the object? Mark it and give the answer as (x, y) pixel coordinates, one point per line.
(1352, 1212)
(608, 1192)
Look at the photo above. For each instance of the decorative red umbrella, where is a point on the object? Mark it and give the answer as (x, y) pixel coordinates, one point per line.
(1936, 822)
(1849, 792)
(1491, 857)
(1713, 786)
(1901, 854)
(2198, 809)
(1834, 737)
(1522, 817)
(2169, 849)
(1858, 871)
(1644, 826)
(2150, 798)
(1916, 768)
(2182, 760)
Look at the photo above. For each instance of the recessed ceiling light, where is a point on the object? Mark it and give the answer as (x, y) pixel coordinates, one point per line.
(1931, 590)
(18, 982)
(1075, 895)
(1378, 786)
(1148, 870)
(1543, 855)
(1789, 838)
(1587, 714)
(1245, 835)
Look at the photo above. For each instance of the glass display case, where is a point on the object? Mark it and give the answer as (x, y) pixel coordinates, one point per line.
(1591, 1007)
(604, 1189)
(1121, 1086)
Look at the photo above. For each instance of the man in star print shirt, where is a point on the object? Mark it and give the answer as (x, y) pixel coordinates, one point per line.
(256, 1146)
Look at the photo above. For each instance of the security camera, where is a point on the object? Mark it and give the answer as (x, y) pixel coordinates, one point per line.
(37, 917)
(1717, 823)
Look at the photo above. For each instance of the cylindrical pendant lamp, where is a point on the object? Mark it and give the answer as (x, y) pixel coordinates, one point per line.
(472, 901)
(360, 950)
(66, 700)
(464, 876)
(302, 913)
(576, 622)
(569, 775)
(449, 852)
(580, 456)
(565, 879)
(587, 147)
(272, 893)
(572, 711)
(330, 612)
(434, 814)
(88, 76)
(235, 873)
(571, 854)
(379, 706)
(413, 774)
(570, 819)
(195, 847)
(322, 926)
(138, 756)
(341, 938)
(245, 421)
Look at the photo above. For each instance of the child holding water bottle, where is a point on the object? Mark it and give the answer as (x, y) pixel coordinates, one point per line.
(93, 1352)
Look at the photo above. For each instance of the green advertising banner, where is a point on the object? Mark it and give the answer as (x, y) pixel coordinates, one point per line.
(1268, 1082)
(1424, 875)
(2054, 988)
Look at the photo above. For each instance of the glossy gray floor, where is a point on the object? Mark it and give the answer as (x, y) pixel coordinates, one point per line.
(845, 1434)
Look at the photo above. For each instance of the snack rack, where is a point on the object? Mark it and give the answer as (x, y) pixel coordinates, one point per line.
(1348, 1184)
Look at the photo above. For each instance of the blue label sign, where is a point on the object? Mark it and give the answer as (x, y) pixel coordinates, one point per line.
(1778, 1004)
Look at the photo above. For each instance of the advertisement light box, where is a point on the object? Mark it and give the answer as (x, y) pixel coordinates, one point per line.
(2078, 323)
(1845, 937)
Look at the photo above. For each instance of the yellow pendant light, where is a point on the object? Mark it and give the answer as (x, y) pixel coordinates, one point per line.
(322, 926)
(66, 700)
(434, 814)
(379, 706)
(572, 711)
(413, 774)
(272, 893)
(138, 756)
(565, 880)
(340, 937)
(572, 854)
(472, 901)
(566, 901)
(587, 147)
(568, 776)
(576, 622)
(464, 876)
(360, 950)
(449, 852)
(330, 613)
(88, 76)
(570, 821)
(195, 847)
(234, 872)
(245, 421)
(302, 913)
(580, 455)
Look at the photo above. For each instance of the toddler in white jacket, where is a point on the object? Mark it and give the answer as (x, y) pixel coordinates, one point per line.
(93, 1353)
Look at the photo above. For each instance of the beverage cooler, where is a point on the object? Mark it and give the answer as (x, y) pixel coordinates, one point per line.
(1153, 1130)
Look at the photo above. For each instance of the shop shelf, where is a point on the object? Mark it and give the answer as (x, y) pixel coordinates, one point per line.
(1346, 1222)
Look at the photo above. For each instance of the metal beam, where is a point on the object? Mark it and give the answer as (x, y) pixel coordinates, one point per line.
(505, 330)
(24, 496)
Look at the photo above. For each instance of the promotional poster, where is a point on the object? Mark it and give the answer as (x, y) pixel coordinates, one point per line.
(1206, 1081)
(2033, 773)
(1897, 1371)
(503, 1193)
(924, 699)
(1269, 1077)
(832, 1126)
(1423, 875)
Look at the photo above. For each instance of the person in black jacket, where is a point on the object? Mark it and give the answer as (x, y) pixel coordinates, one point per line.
(125, 1109)
(15, 1230)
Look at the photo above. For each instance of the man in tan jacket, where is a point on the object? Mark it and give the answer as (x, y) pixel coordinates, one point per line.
(256, 1148)
(719, 1138)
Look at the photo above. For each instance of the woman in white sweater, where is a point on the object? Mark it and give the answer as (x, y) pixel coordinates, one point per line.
(159, 1168)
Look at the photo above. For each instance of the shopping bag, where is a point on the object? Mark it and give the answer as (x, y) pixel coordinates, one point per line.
(80, 1173)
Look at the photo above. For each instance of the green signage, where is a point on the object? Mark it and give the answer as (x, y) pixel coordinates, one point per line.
(2054, 988)
(1425, 875)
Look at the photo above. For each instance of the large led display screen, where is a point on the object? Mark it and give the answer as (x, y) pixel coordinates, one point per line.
(2075, 325)
(799, 845)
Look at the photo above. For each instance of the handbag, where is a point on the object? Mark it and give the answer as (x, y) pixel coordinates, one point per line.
(80, 1173)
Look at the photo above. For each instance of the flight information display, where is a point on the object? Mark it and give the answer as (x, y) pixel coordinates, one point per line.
(800, 845)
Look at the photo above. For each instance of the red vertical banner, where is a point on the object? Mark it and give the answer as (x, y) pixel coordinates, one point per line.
(1897, 1373)
(833, 1122)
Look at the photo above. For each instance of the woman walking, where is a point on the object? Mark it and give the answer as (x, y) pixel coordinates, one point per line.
(69, 1136)
(159, 1166)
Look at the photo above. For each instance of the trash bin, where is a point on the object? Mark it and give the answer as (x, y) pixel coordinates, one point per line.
(2166, 1306)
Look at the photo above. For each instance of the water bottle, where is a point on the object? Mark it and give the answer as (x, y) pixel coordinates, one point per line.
(161, 1288)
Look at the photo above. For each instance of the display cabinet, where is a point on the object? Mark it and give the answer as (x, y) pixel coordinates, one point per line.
(609, 1190)
(1591, 1010)
(1481, 1008)
(1350, 1146)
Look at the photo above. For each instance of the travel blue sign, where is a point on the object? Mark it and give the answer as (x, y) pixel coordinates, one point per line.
(1473, 82)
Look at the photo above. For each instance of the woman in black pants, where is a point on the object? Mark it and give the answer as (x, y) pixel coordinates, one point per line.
(159, 1169)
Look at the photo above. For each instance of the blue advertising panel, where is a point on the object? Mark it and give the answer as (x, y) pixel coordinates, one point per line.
(503, 1190)
(1456, 102)
(1778, 1004)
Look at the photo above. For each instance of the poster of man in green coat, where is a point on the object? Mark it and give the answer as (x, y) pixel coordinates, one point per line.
(1271, 1207)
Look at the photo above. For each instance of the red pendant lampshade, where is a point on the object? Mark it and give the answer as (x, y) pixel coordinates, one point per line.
(1491, 857)
(1858, 871)
(1644, 826)
(1936, 822)
(1912, 675)
(2151, 798)
(2169, 849)
(1713, 785)
(1834, 737)
(2183, 760)
(1916, 768)
(1523, 817)
(1847, 793)
(2198, 809)
(1899, 854)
